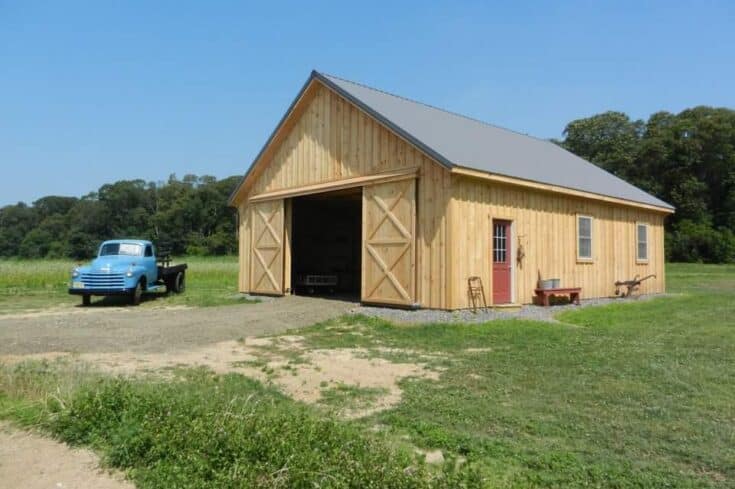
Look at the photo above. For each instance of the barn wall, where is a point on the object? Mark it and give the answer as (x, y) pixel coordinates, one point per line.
(544, 224)
(330, 140)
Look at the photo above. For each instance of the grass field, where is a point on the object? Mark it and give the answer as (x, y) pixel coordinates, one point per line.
(630, 395)
(37, 284)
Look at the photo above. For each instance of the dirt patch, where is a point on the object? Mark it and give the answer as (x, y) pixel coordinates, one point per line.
(251, 341)
(32, 462)
(349, 366)
(432, 457)
(304, 374)
(73, 310)
(283, 361)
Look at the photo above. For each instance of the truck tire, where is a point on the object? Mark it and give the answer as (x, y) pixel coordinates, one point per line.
(137, 294)
(179, 283)
(86, 300)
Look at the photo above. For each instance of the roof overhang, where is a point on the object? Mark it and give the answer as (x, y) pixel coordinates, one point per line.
(493, 177)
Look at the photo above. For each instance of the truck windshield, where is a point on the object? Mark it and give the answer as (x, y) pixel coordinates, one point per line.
(128, 249)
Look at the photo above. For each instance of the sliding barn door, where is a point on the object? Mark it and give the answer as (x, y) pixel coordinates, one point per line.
(389, 243)
(266, 262)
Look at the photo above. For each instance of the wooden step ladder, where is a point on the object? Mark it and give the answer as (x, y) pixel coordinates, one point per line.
(477, 293)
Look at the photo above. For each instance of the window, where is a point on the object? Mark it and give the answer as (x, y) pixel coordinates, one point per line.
(500, 243)
(128, 249)
(641, 242)
(584, 238)
(148, 250)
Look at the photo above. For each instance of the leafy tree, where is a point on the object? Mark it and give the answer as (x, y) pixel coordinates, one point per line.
(46, 240)
(53, 205)
(15, 222)
(611, 140)
(188, 215)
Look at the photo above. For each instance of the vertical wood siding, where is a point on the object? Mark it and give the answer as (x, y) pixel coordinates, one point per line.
(545, 225)
(331, 140)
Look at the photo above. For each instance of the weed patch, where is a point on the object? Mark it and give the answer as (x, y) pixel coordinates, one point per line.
(350, 397)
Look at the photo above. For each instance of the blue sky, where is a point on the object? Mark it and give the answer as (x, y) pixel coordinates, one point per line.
(93, 92)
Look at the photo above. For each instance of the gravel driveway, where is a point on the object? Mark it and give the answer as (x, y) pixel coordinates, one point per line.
(116, 329)
(129, 329)
(536, 313)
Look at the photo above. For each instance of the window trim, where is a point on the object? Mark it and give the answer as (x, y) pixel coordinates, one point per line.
(506, 241)
(591, 258)
(638, 259)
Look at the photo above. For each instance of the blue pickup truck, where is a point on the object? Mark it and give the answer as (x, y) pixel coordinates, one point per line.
(127, 267)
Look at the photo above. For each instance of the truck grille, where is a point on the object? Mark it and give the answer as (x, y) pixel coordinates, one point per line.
(103, 280)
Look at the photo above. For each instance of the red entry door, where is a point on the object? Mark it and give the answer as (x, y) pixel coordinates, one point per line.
(501, 262)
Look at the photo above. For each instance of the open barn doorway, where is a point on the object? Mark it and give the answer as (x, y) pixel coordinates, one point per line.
(326, 243)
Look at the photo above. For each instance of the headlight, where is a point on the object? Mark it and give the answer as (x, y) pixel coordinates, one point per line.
(129, 273)
(74, 273)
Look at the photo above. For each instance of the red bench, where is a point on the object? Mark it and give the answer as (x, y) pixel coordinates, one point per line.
(572, 292)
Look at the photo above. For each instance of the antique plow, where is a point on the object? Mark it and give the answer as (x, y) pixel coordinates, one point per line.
(630, 285)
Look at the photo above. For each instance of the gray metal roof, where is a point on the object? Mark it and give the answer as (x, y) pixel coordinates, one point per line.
(456, 140)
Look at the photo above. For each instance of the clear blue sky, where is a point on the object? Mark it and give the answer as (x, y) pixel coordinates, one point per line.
(98, 91)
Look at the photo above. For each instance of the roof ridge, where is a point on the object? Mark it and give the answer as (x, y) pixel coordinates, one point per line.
(473, 119)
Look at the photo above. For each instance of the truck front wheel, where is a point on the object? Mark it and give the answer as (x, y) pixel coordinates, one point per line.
(137, 294)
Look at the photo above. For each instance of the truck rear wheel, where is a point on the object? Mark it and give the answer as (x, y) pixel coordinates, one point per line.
(179, 283)
(86, 300)
(137, 294)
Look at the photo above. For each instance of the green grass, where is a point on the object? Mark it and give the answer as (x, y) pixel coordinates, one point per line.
(342, 396)
(635, 394)
(27, 285)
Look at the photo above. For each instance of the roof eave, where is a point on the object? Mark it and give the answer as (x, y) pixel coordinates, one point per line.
(497, 177)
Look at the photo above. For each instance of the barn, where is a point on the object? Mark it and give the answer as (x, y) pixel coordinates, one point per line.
(366, 194)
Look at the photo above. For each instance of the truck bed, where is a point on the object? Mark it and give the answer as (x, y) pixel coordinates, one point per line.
(168, 271)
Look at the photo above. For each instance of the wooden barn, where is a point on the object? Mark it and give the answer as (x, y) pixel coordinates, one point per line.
(365, 193)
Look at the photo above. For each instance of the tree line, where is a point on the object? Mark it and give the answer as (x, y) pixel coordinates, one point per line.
(686, 159)
(187, 216)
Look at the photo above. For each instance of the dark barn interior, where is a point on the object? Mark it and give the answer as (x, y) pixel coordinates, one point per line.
(326, 243)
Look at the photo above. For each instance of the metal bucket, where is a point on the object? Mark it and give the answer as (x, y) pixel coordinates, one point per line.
(547, 284)
(556, 283)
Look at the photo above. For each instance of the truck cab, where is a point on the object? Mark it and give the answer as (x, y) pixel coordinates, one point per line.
(125, 267)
